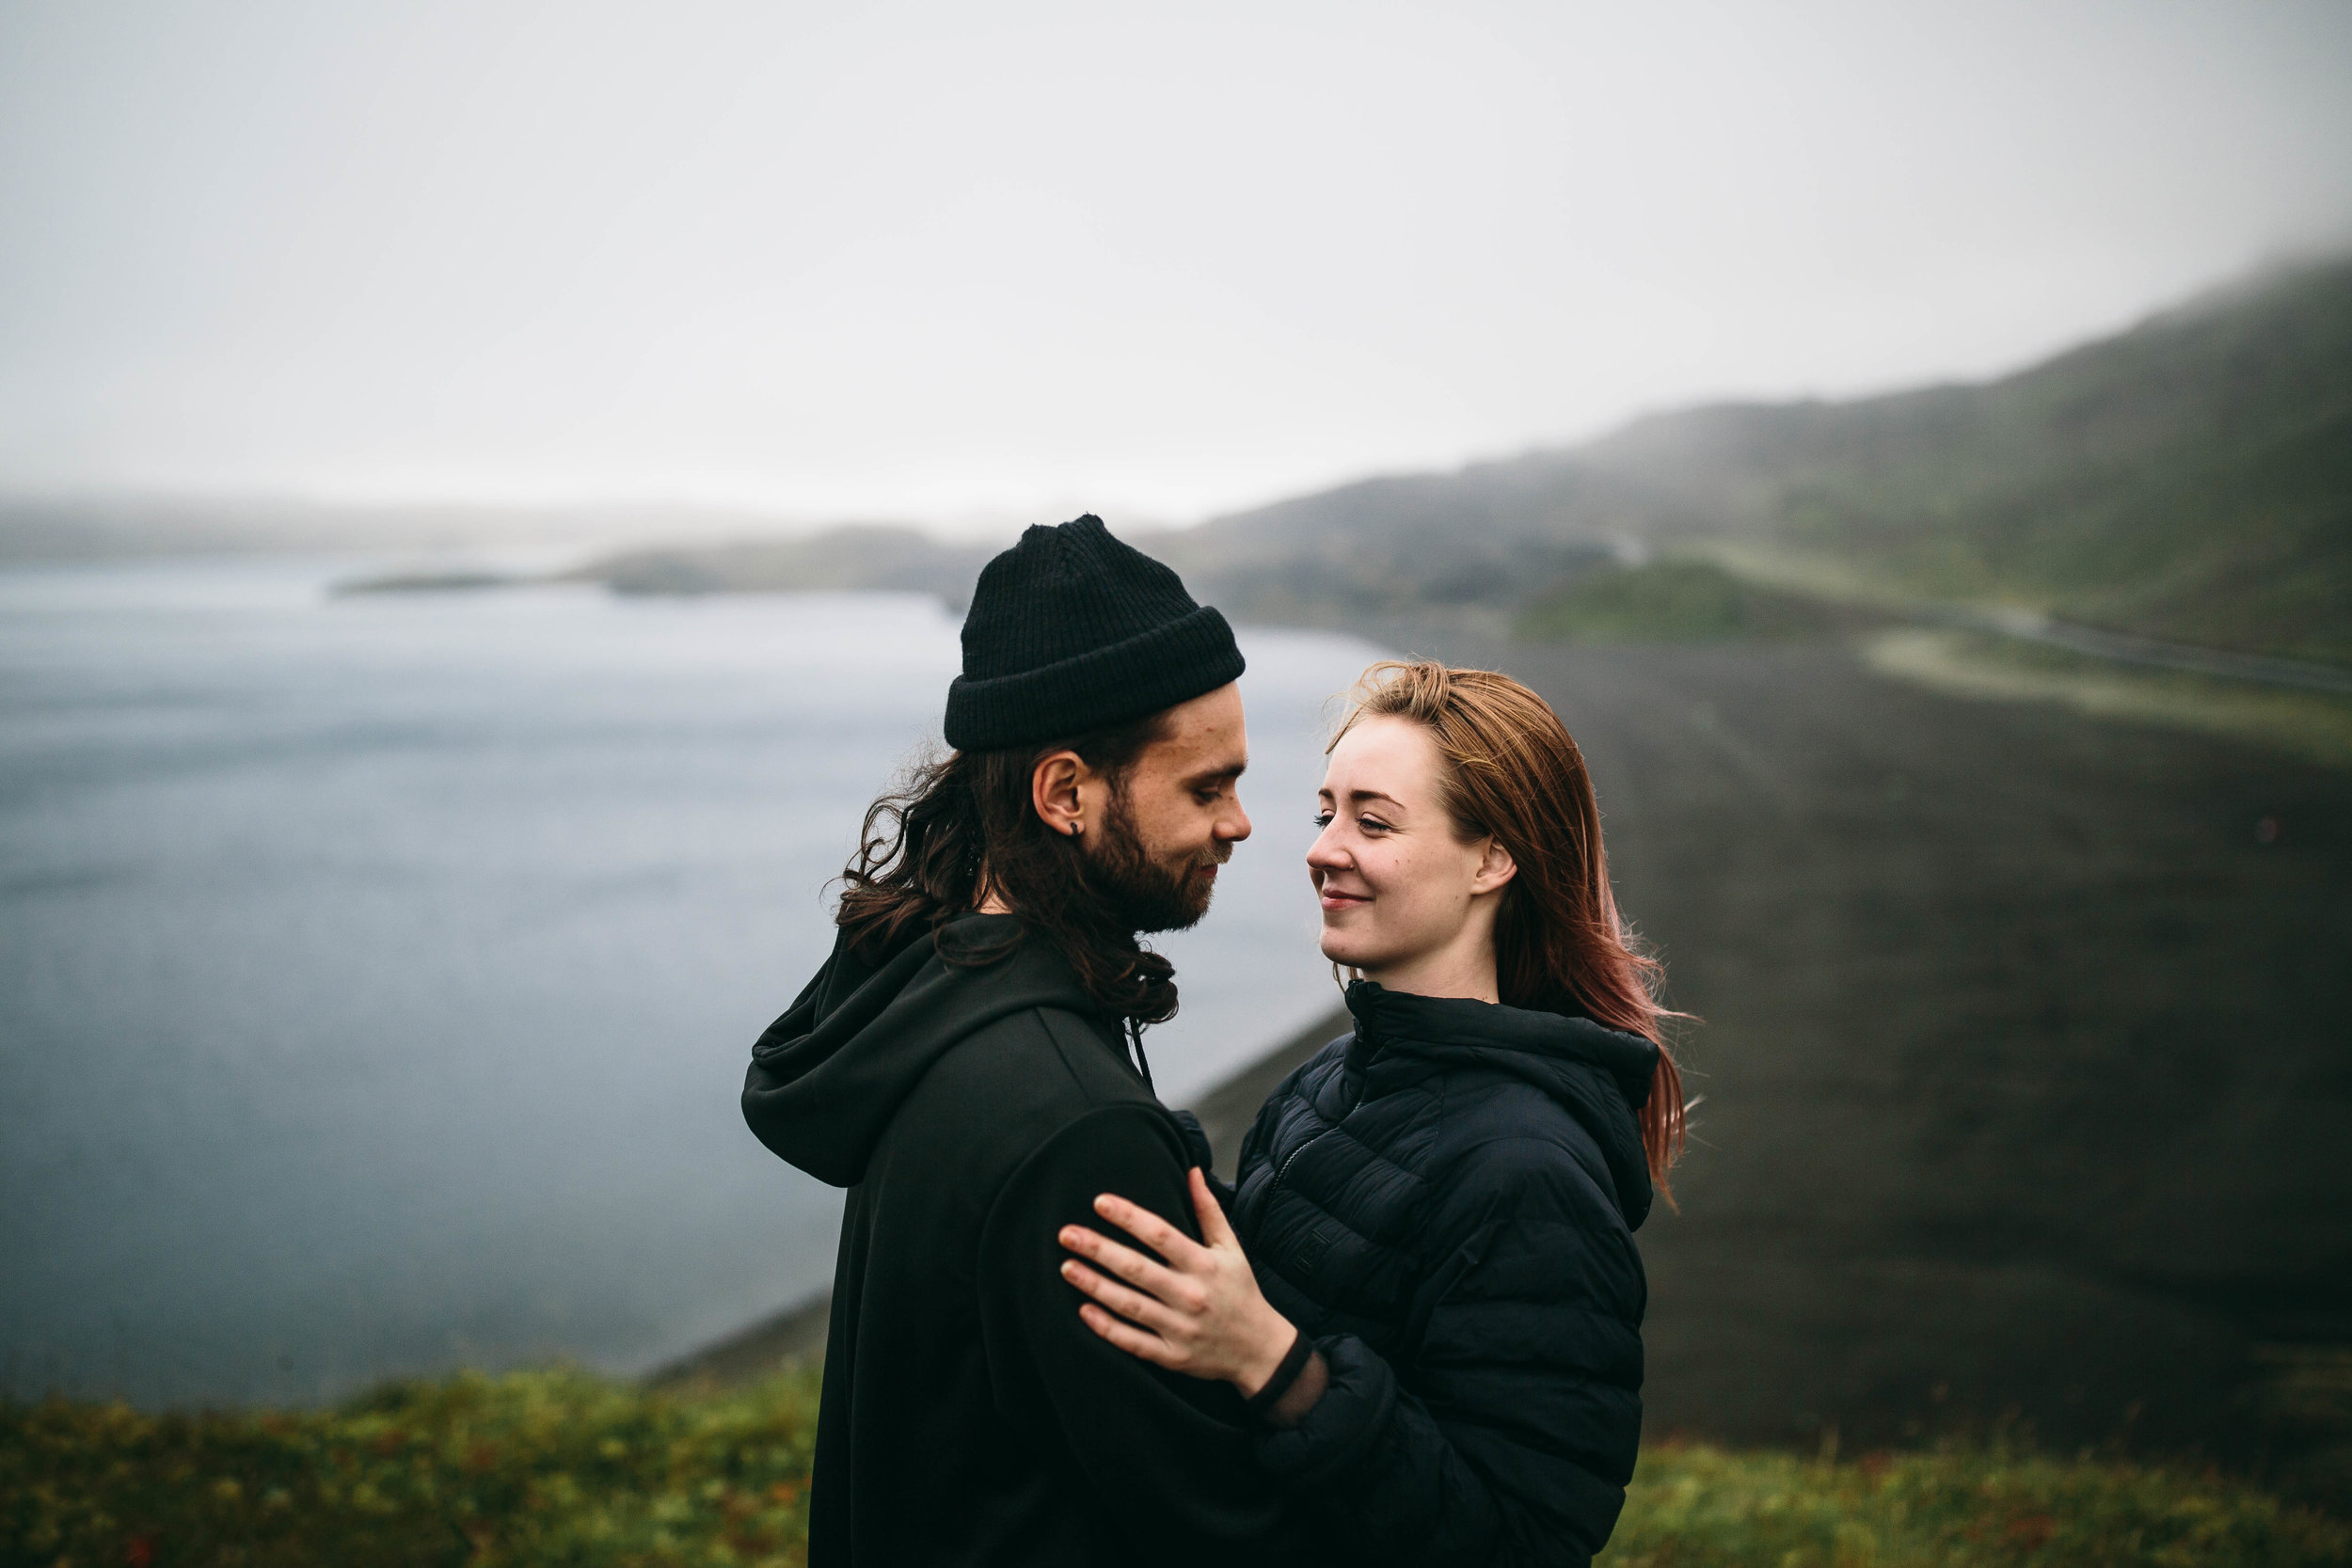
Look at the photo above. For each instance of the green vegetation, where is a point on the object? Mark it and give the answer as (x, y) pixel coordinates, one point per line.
(561, 1467)
(1665, 601)
(1702, 1508)
(528, 1469)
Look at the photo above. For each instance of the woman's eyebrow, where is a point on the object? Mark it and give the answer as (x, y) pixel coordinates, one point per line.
(1355, 796)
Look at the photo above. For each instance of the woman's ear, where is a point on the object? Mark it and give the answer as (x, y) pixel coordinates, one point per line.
(1053, 791)
(1494, 868)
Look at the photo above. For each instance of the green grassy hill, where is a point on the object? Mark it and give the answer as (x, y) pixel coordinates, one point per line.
(2190, 478)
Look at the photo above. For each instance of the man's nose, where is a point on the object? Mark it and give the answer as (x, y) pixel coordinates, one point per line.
(1234, 825)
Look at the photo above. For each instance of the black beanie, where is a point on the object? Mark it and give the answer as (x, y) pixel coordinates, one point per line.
(1071, 630)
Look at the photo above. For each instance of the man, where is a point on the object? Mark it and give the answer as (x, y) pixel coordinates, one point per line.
(963, 1066)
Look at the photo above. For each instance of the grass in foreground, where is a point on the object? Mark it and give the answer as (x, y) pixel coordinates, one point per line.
(558, 1467)
(1694, 1507)
(527, 1468)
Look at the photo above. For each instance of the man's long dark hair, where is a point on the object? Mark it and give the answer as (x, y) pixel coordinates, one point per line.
(964, 826)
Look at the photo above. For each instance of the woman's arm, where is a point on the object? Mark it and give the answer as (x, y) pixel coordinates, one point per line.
(1162, 1457)
(1520, 1436)
(1199, 1312)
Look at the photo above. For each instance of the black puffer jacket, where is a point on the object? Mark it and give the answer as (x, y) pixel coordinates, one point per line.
(1446, 1199)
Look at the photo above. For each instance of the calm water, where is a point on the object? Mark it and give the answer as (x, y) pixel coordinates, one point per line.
(377, 974)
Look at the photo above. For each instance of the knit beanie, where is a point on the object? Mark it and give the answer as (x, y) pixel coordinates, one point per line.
(1071, 630)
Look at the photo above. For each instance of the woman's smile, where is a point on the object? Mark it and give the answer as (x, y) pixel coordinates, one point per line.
(1336, 899)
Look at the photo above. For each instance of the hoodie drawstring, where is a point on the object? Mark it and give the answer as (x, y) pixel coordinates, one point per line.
(1143, 1064)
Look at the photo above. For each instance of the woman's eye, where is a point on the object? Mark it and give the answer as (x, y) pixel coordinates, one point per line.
(1371, 825)
(1323, 819)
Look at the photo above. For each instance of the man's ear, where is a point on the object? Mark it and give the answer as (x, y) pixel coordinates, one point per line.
(1494, 868)
(1053, 791)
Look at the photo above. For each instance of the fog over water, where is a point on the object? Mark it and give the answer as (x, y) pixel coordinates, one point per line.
(918, 259)
(377, 973)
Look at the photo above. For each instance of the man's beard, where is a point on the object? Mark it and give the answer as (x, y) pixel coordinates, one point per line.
(1144, 895)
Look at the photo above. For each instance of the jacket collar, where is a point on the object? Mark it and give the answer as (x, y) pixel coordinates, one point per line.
(1599, 1075)
(1400, 1022)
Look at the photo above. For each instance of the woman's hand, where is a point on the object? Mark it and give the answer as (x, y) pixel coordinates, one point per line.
(1199, 1313)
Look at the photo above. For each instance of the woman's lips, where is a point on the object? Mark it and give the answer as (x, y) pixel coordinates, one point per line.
(1333, 900)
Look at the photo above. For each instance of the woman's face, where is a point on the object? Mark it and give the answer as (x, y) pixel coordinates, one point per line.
(1404, 901)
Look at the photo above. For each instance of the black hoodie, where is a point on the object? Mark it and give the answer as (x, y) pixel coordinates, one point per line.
(969, 1416)
(1446, 1200)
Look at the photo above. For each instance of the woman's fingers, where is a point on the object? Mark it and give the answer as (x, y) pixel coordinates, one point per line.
(1148, 1227)
(1150, 1347)
(1128, 1264)
(1199, 1314)
(1134, 1305)
(1215, 1229)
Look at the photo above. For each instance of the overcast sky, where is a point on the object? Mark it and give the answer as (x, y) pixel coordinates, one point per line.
(948, 259)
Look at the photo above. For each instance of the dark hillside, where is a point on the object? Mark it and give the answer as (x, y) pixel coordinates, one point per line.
(2023, 1057)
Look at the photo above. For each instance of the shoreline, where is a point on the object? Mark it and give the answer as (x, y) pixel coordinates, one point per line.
(796, 1335)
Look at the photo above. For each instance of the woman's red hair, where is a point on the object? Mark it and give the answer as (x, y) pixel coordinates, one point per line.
(1512, 770)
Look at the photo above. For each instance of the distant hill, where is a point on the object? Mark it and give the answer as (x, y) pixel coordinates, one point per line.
(101, 527)
(1488, 535)
(856, 556)
(2189, 479)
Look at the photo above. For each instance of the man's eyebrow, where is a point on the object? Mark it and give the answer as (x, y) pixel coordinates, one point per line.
(1217, 774)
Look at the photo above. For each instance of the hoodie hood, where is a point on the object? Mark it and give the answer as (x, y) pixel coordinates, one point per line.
(1599, 1075)
(829, 1075)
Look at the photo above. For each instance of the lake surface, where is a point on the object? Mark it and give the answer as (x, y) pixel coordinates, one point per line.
(377, 973)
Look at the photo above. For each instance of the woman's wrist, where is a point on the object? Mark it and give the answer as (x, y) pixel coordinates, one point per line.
(1305, 1391)
(1269, 1345)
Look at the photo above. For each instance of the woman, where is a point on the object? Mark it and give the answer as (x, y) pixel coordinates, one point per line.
(1438, 1318)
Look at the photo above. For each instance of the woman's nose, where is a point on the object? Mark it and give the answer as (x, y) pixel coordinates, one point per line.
(1328, 853)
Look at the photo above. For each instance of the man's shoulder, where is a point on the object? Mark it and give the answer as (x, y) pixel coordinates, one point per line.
(1015, 1083)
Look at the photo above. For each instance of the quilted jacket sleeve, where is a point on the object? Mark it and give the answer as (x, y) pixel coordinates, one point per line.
(1530, 1369)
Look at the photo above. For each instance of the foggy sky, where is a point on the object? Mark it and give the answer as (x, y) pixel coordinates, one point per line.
(941, 260)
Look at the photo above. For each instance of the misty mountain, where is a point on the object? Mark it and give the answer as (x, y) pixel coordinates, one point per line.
(2189, 479)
